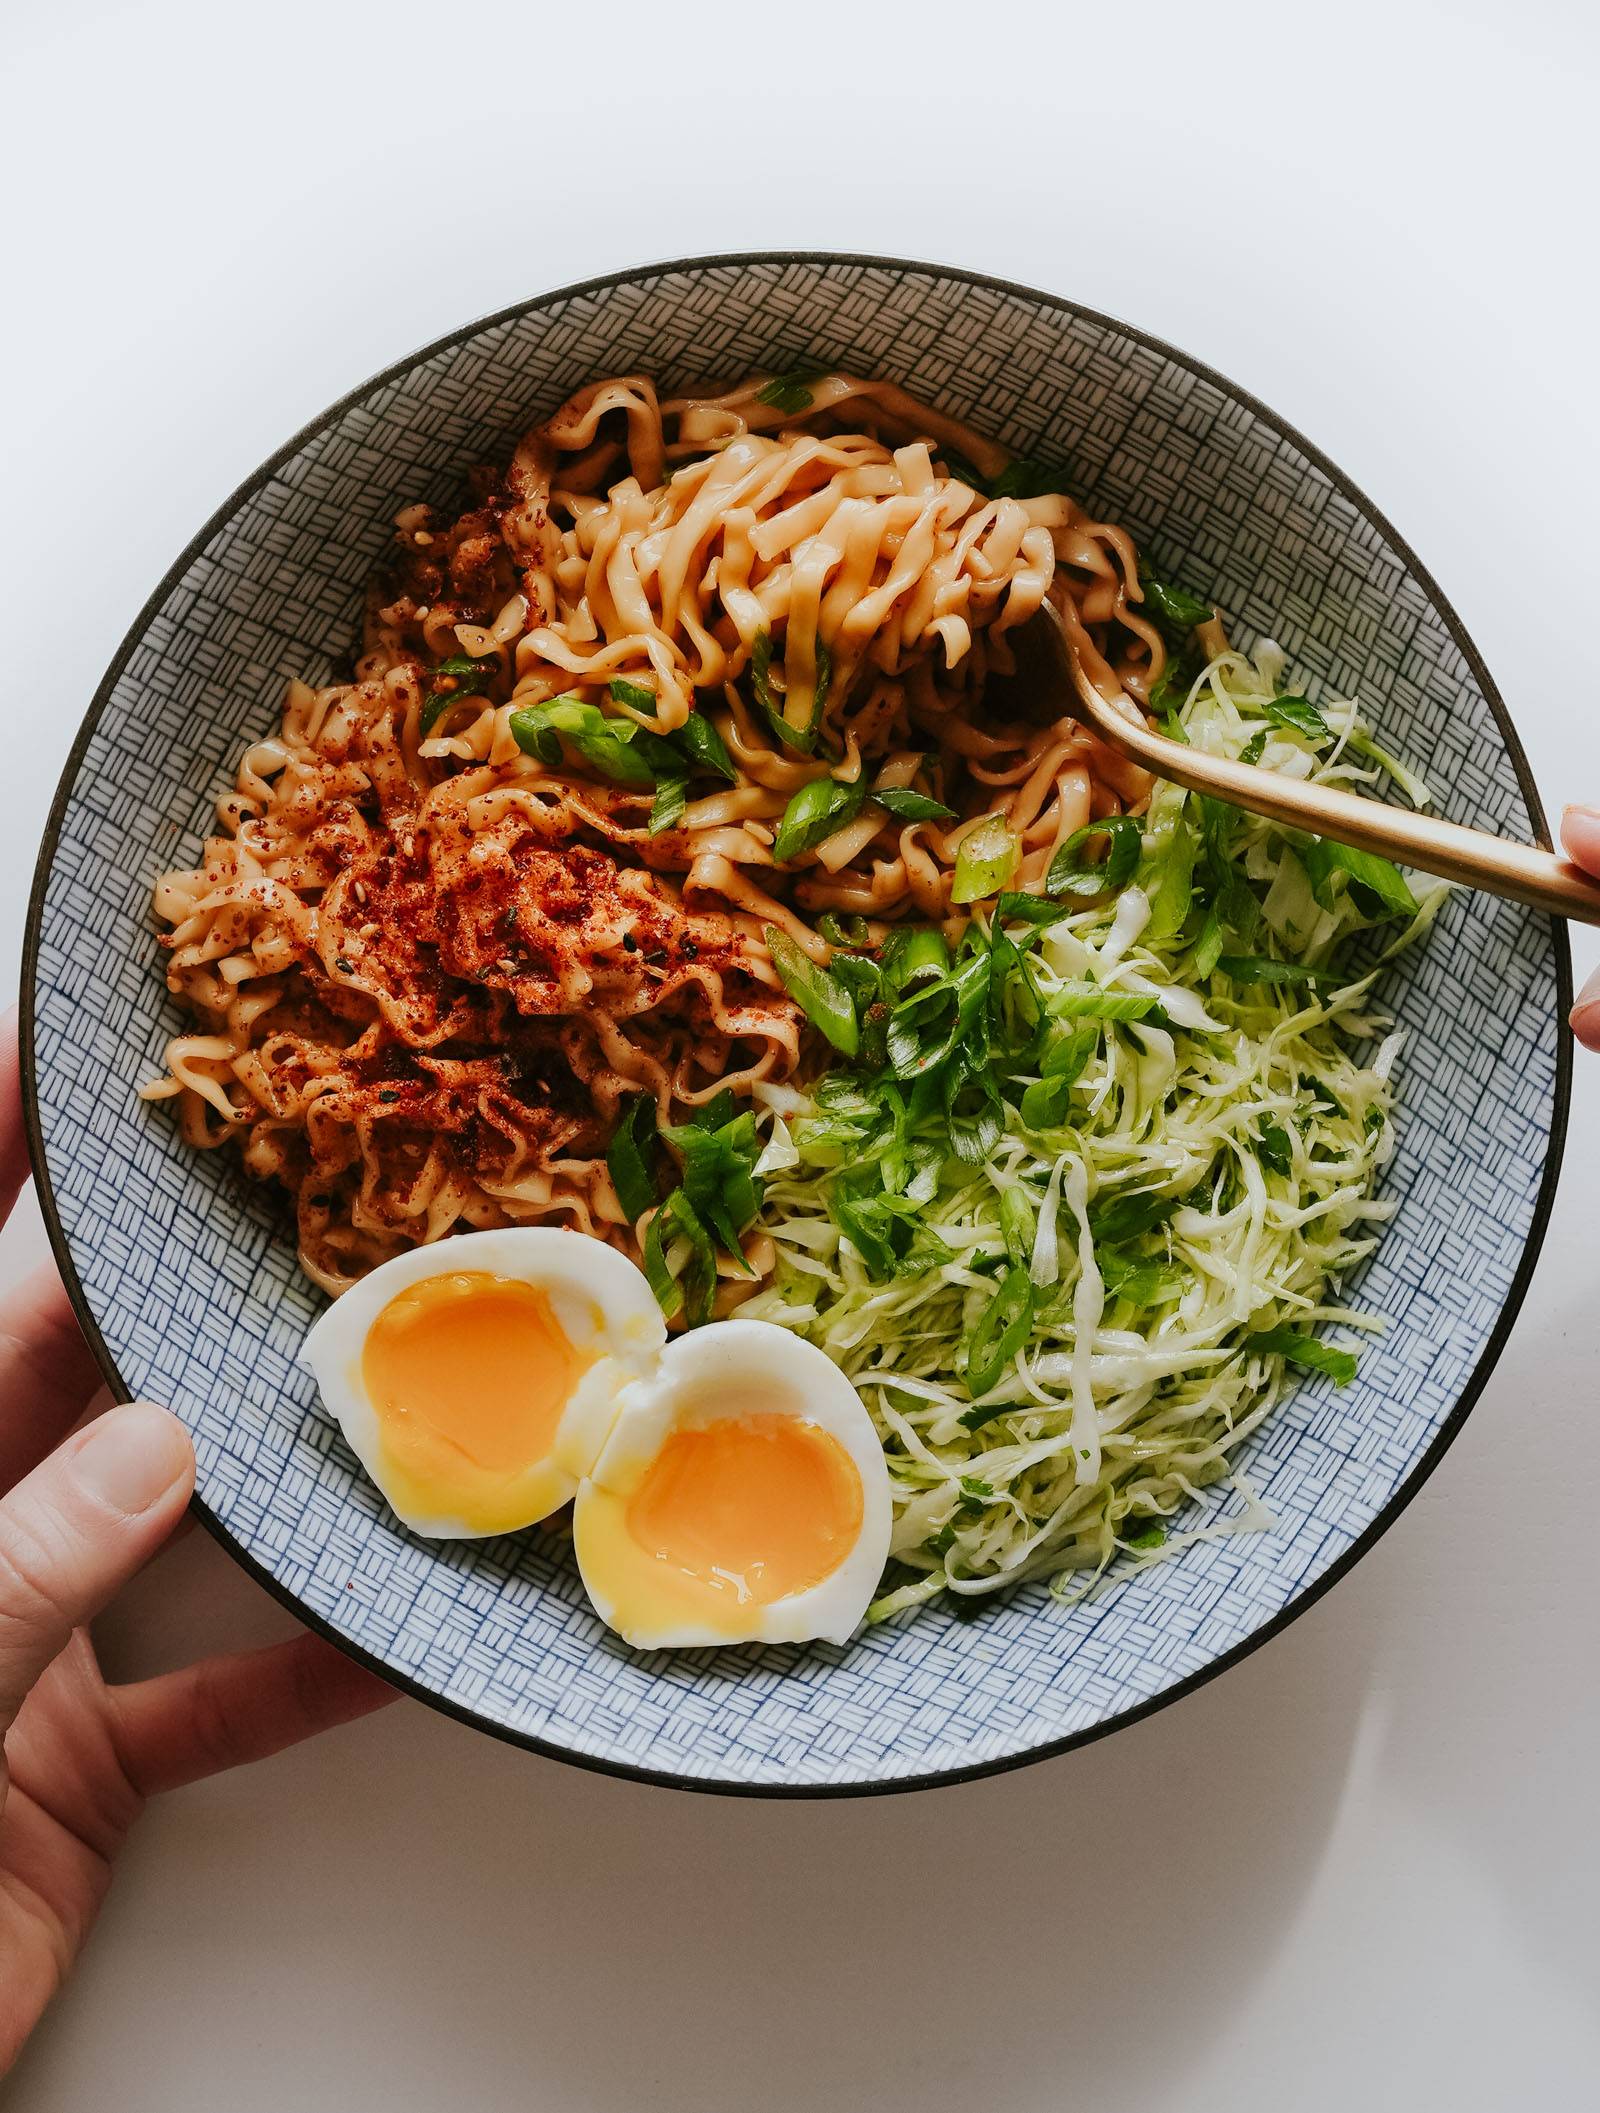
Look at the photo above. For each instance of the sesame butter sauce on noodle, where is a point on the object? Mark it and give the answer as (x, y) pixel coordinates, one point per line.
(429, 958)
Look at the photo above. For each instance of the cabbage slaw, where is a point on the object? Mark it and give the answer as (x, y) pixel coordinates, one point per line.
(1068, 1318)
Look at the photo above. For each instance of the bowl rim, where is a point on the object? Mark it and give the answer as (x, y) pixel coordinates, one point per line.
(1302, 1600)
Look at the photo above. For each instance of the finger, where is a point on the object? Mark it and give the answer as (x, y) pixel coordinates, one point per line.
(1586, 1013)
(226, 1711)
(77, 1528)
(13, 1138)
(47, 1373)
(1580, 837)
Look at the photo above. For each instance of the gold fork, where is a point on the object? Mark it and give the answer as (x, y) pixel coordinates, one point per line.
(1471, 856)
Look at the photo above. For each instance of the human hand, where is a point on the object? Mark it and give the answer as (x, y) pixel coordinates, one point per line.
(1580, 839)
(79, 1515)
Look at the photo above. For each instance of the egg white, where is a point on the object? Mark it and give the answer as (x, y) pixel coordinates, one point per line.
(602, 1302)
(732, 1368)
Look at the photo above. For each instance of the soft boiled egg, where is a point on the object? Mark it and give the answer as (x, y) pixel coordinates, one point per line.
(477, 1380)
(742, 1496)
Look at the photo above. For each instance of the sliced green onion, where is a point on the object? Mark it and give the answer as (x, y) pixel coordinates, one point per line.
(619, 749)
(975, 1113)
(1305, 1351)
(773, 703)
(1013, 983)
(1208, 947)
(719, 1110)
(1071, 873)
(1166, 869)
(1148, 1533)
(633, 694)
(1016, 1222)
(907, 805)
(867, 1231)
(976, 1419)
(535, 736)
(703, 745)
(1031, 909)
(1170, 690)
(1174, 606)
(820, 809)
(824, 680)
(628, 1157)
(986, 860)
(694, 1287)
(844, 931)
(1001, 1331)
(860, 974)
(1146, 1280)
(1089, 1001)
(914, 955)
(1275, 1146)
(922, 1029)
(821, 997)
(1124, 1218)
(937, 1018)
(1045, 1102)
(471, 677)
(696, 745)
(1301, 715)
(1320, 1096)
(1066, 1054)
(607, 745)
(719, 1174)
(614, 758)
(768, 700)
(671, 801)
(885, 1230)
(788, 392)
(1020, 478)
(1377, 888)
(841, 1094)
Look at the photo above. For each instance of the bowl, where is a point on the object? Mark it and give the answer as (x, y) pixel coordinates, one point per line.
(184, 1276)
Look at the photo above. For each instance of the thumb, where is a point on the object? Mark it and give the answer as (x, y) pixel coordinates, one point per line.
(77, 1528)
(1580, 837)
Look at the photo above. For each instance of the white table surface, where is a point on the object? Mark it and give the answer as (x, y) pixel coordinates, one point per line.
(1359, 1869)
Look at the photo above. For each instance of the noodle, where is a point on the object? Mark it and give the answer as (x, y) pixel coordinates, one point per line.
(425, 967)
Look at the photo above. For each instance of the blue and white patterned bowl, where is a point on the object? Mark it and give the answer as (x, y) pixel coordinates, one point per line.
(185, 1277)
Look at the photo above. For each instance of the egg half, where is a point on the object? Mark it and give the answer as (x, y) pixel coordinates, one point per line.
(727, 1487)
(741, 1497)
(477, 1380)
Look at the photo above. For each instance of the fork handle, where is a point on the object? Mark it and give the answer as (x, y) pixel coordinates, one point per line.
(1523, 872)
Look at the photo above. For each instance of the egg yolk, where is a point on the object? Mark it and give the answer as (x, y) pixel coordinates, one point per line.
(756, 1507)
(468, 1375)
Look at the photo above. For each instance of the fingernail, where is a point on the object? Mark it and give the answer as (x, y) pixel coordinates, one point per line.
(132, 1456)
(1580, 807)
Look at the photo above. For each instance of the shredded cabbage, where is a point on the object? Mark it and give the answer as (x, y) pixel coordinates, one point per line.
(1195, 1192)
